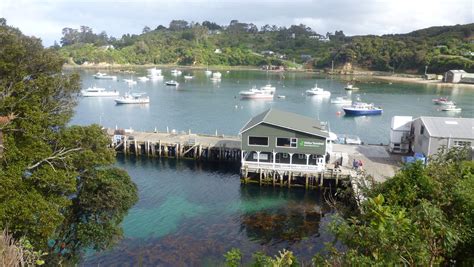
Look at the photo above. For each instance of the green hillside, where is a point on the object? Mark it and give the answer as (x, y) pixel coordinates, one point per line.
(182, 43)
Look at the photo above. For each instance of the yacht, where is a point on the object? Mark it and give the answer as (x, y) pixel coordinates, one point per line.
(208, 72)
(104, 76)
(188, 77)
(98, 92)
(172, 83)
(217, 75)
(350, 87)
(143, 79)
(136, 98)
(255, 93)
(155, 77)
(341, 101)
(361, 108)
(318, 91)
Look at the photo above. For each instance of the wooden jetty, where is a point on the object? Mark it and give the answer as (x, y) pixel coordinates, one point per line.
(223, 148)
(177, 145)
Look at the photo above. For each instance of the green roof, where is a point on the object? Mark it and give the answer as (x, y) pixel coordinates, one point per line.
(287, 120)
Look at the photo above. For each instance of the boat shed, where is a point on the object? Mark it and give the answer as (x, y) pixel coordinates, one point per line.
(429, 134)
(280, 140)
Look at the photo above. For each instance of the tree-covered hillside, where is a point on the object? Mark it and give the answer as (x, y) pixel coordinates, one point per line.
(207, 43)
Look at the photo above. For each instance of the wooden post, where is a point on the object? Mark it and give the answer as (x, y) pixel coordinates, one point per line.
(199, 151)
(260, 176)
(136, 147)
(159, 148)
(290, 175)
(165, 150)
(176, 150)
(322, 179)
(125, 146)
(306, 181)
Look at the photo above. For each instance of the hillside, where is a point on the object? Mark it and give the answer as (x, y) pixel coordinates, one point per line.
(440, 48)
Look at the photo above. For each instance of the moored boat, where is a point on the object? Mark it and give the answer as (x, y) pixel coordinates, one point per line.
(172, 83)
(208, 72)
(217, 75)
(188, 77)
(350, 87)
(153, 72)
(341, 101)
(360, 108)
(98, 92)
(130, 81)
(176, 72)
(143, 79)
(255, 93)
(318, 91)
(440, 100)
(451, 108)
(104, 76)
(136, 98)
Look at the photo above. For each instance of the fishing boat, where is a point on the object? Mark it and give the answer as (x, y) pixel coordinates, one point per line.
(130, 81)
(104, 76)
(136, 98)
(447, 103)
(360, 108)
(317, 91)
(255, 93)
(451, 108)
(350, 87)
(440, 100)
(143, 79)
(98, 92)
(188, 77)
(341, 101)
(172, 83)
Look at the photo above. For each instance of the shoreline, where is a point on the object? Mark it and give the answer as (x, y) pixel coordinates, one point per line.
(406, 78)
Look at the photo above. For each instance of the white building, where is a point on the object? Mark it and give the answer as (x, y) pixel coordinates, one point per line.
(399, 134)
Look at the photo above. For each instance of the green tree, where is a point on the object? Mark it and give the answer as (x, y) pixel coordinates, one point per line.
(57, 182)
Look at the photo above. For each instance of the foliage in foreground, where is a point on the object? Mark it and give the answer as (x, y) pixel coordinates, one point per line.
(18, 253)
(424, 215)
(58, 186)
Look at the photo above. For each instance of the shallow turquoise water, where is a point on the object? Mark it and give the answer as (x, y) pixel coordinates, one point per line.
(191, 214)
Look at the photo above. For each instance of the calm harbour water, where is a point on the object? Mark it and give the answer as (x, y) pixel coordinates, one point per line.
(191, 214)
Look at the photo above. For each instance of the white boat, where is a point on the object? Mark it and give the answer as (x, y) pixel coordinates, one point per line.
(281, 96)
(130, 81)
(136, 98)
(208, 72)
(188, 77)
(350, 86)
(172, 83)
(156, 77)
(341, 100)
(451, 108)
(447, 103)
(318, 91)
(217, 75)
(268, 87)
(143, 79)
(154, 72)
(176, 72)
(104, 76)
(98, 92)
(215, 79)
(255, 93)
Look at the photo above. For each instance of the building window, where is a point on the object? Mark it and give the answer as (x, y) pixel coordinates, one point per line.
(462, 143)
(258, 141)
(286, 142)
(422, 129)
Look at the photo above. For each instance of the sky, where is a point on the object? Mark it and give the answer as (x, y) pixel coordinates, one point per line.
(46, 18)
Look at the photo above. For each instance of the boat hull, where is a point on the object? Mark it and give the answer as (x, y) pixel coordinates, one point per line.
(115, 94)
(361, 112)
(120, 101)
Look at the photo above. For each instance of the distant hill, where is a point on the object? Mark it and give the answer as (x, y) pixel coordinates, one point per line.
(182, 43)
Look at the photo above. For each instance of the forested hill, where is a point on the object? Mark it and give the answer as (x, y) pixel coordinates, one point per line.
(207, 43)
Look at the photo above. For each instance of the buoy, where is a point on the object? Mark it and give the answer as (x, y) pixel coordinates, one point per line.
(338, 113)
